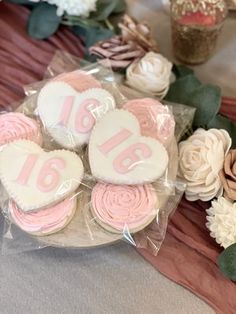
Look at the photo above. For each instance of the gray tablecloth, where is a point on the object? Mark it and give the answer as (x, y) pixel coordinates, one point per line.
(109, 280)
(113, 279)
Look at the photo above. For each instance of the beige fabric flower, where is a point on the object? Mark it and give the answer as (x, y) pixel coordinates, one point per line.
(221, 221)
(228, 175)
(151, 74)
(201, 157)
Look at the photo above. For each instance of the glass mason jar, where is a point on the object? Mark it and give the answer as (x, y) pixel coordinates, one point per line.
(196, 25)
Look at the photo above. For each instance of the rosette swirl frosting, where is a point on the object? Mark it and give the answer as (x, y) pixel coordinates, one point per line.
(79, 80)
(44, 221)
(155, 120)
(16, 126)
(124, 206)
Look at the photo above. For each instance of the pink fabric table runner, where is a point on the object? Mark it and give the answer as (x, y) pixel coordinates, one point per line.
(24, 60)
(188, 255)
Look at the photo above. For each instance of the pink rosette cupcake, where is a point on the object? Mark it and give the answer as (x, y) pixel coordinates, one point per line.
(155, 120)
(16, 126)
(79, 80)
(45, 221)
(121, 208)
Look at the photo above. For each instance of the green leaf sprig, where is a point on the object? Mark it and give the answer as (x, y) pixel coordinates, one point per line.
(206, 98)
(227, 262)
(101, 24)
(43, 21)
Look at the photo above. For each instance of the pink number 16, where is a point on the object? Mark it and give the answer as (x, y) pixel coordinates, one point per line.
(48, 177)
(129, 158)
(84, 119)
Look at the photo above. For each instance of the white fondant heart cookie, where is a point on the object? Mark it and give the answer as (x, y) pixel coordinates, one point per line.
(36, 179)
(119, 154)
(69, 116)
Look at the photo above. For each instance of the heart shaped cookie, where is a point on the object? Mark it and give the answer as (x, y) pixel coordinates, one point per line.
(119, 154)
(36, 179)
(78, 79)
(69, 116)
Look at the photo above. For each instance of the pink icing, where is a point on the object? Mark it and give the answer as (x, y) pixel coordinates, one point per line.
(123, 206)
(44, 221)
(27, 169)
(84, 117)
(129, 159)
(84, 120)
(79, 80)
(114, 141)
(48, 177)
(48, 171)
(16, 126)
(66, 110)
(155, 119)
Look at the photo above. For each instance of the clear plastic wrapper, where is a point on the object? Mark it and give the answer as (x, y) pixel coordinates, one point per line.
(89, 163)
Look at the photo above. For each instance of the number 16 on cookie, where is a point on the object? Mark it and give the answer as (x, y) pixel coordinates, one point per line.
(48, 177)
(84, 119)
(128, 158)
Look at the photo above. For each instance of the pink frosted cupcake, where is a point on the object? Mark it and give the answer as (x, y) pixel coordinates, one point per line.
(16, 126)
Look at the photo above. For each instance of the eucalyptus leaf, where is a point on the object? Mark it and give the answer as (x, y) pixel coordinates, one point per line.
(207, 100)
(90, 58)
(115, 19)
(26, 2)
(97, 34)
(181, 70)
(222, 122)
(182, 88)
(120, 7)
(227, 262)
(189, 91)
(106, 7)
(78, 21)
(104, 10)
(43, 21)
(90, 23)
(91, 35)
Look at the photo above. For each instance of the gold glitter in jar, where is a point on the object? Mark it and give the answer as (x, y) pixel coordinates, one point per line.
(196, 25)
(180, 7)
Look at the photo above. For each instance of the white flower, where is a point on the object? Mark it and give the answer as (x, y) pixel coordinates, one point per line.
(222, 221)
(73, 7)
(151, 74)
(201, 158)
